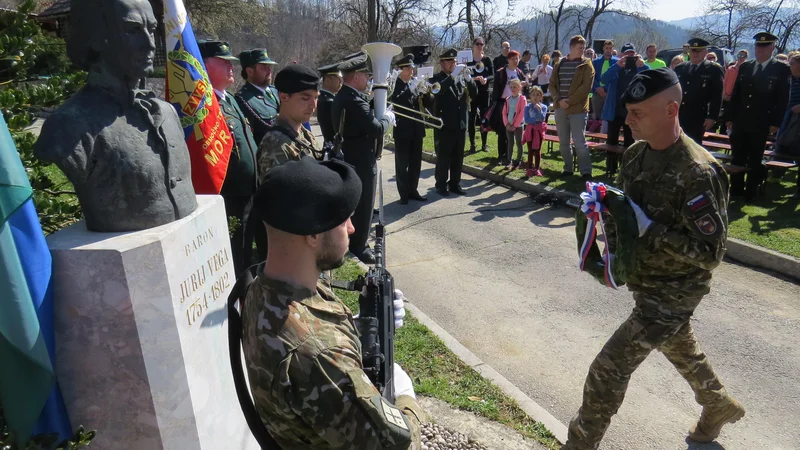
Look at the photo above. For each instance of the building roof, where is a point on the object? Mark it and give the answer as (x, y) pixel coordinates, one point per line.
(58, 8)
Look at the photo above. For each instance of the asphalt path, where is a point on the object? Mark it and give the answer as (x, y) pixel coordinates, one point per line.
(499, 273)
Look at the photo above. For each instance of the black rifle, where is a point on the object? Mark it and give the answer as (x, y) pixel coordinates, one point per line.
(334, 150)
(251, 415)
(375, 321)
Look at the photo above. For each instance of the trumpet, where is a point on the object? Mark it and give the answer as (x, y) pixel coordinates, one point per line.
(479, 67)
(419, 116)
(421, 86)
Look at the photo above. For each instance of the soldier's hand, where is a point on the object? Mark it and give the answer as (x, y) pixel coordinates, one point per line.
(399, 307)
(709, 124)
(389, 115)
(402, 382)
(773, 130)
(642, 220)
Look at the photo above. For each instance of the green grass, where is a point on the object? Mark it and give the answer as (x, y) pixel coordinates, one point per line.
(437, 372)
(772, 221)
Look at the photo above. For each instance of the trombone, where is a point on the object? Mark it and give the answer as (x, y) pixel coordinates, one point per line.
(426, 118)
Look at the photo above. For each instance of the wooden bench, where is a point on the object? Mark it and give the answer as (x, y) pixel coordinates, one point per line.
(717, 146)
(716, 136)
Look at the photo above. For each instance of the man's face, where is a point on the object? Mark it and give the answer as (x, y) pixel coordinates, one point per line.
(648, 117)
(406, 73)
(130, 42)
(629, 53)
(333, 246)
(589, 53)
(361, 81)
(260, 74)
(220, 72)
(651, 53)
(513, 62)
(764, 52)
(697, 56)
(332, 83)
(607, 50)
(506, 48)
(447, 65)
(577, 49)
(299, 106)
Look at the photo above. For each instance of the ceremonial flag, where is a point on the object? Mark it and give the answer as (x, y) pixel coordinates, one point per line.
(190, 92)
(29, 393)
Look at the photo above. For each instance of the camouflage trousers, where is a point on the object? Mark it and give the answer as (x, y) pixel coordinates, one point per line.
(646, 329)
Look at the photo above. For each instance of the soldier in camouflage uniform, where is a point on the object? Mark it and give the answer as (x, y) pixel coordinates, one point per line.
(287, 139)
(682, 221)
(302, 350)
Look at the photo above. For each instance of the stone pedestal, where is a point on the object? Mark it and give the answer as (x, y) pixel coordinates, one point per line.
(141, 333)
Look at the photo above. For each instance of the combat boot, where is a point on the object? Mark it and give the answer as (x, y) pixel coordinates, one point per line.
(711, 421)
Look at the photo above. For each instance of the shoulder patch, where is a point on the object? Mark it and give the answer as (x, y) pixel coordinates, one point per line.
(392, 414)
(698, 203)
(706, 225)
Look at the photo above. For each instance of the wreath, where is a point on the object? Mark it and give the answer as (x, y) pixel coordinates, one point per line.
(611, 270)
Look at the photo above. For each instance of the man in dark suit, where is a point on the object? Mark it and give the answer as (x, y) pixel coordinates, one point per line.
(408, 133)
(257, 98)
(756, 109)
(241, 180)
(701, 82)
(359, 134)
(453, 108)
(331, 83)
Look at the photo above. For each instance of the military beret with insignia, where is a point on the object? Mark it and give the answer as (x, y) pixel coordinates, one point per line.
(450, 53)
(698, 44)
(255, 56)
(358, 63)
(764, 38)
(407, 60)
(648, 83)
(308, 197)
(215, 49)
(296, 78)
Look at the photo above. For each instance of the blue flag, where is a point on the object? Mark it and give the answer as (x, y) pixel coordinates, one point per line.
(29, 393)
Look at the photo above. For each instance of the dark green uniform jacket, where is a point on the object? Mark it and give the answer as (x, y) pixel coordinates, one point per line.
(241, 178)
(259, 107)
(324, 117)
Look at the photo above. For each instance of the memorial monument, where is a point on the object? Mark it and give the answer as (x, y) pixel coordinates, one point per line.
(121, 147)
(140, 289)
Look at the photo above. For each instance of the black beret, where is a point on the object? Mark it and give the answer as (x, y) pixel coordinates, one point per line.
(215, 49)
(296, 78)
(765, 38)
(648, 83)
(307, 197)
(357, 63)
(407, 60)
(255, 56)
(698, 44)
(448, 54)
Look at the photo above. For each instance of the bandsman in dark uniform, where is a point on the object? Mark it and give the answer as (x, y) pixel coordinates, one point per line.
(359, 134)
(756, 109)
(701, 81)
(257, 98)
(453, 108)
(408, 133)
(241, 179)
(331, 83)
(479, 103)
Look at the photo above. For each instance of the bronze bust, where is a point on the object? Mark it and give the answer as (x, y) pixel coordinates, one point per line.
(121, 147)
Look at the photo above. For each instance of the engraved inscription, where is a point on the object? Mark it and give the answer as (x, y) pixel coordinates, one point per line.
(208, 283)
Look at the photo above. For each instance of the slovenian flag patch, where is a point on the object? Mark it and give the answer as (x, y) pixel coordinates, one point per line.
(698, 203)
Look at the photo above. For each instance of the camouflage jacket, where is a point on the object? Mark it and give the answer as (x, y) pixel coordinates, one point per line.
(684, 191)
(281, 143)
(303, 359)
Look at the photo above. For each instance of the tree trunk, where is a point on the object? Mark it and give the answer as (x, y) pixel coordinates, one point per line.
(372, 22)
(470, 28)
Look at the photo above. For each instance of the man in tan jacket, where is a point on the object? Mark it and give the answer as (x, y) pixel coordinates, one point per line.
(570, 85)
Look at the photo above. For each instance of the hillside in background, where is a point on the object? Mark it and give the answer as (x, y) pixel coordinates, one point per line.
(609, 26)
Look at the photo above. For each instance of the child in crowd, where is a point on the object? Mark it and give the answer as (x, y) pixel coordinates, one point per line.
(513, 113)
(535, 126)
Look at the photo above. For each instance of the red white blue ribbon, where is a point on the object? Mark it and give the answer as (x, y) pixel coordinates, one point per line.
(593, 207)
